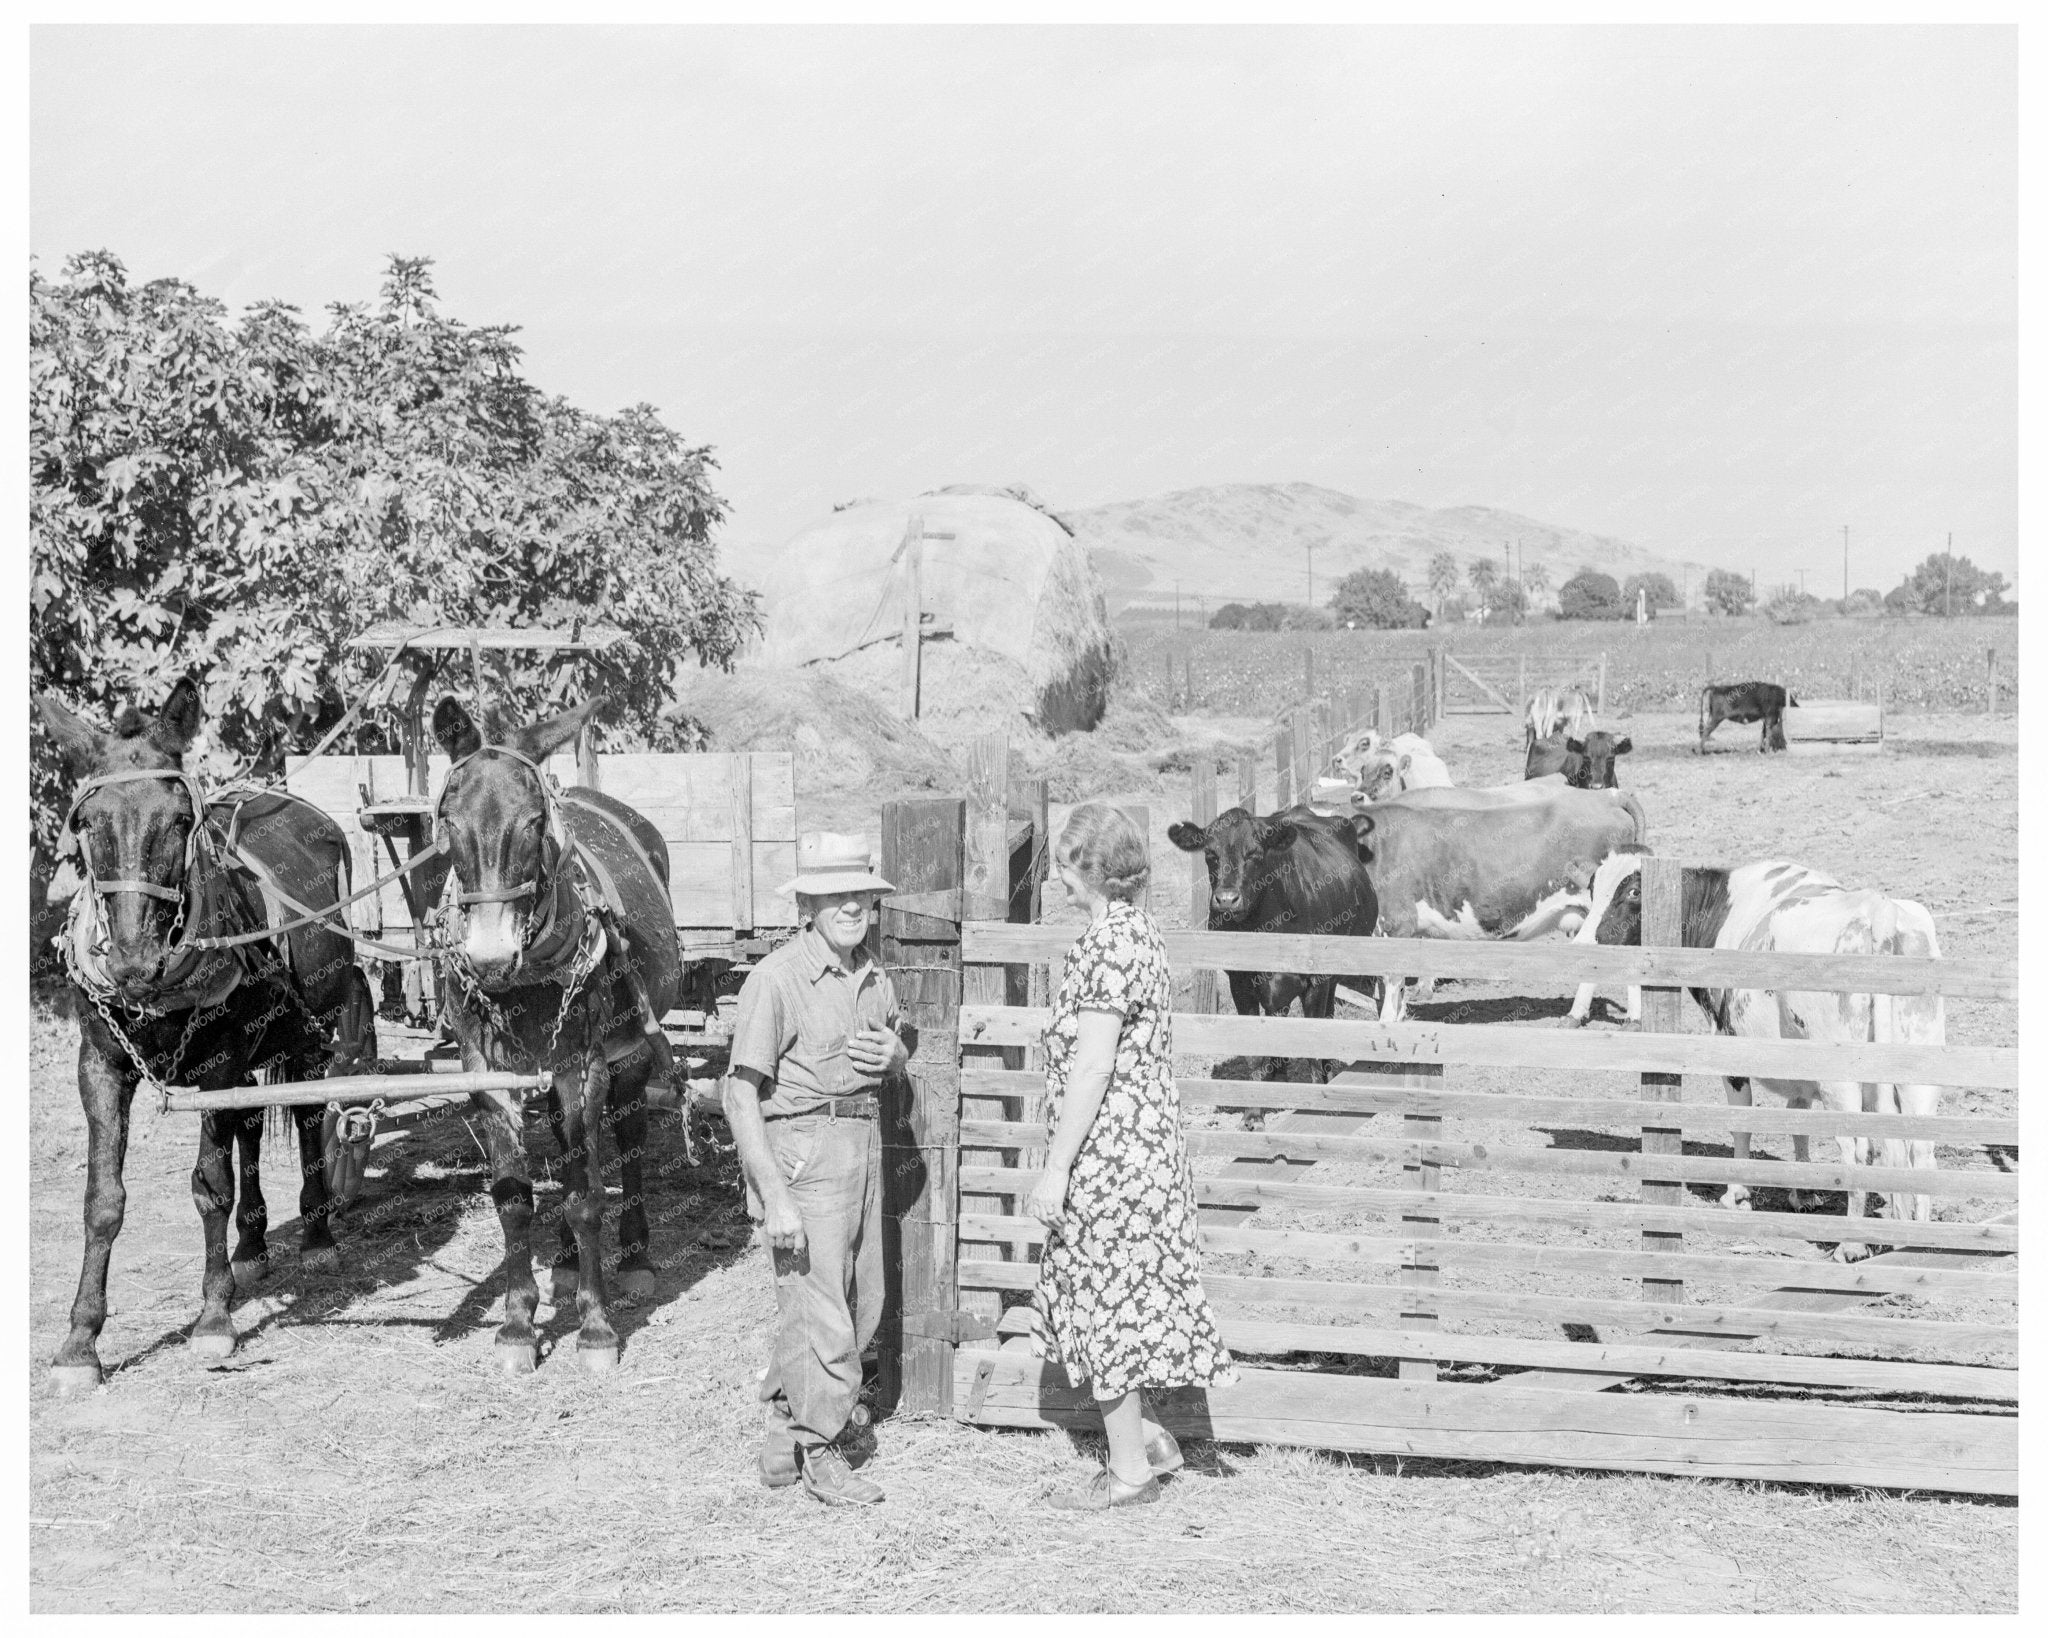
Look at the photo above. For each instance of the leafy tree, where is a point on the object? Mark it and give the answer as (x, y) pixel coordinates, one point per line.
(1947, 584)
(1508, 604)
(240, 498)
(1728, 592)
(1863, 602)
(1248, 617)
(1377, 598)
(1590, 595)
(1443, 579)
(1535, 578)
(1658, 592)
(1484, 574)
(1791, 607)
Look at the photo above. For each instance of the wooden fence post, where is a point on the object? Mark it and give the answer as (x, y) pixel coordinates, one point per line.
(1035, 796)
(1379, 711)
(913, 611)
(923, 852)
(1308, 671)
(1418, 1260)
(1283, 770)
(1320, 717)
(1298, 745)
(1600, 700)
(1190, 695)
(1522, 679)
(1991, 682)
(985, 896)
(1248, 784)
(1662, 879)
(1420, 690)
(1202, 804)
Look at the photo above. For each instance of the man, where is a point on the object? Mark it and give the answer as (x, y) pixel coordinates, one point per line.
(812, 1042)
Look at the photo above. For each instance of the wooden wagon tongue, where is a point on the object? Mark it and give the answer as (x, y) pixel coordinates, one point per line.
(180, 1100)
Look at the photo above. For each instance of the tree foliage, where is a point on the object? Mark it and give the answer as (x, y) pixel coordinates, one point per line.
(1944, 583)
(1590, 595)
(237, 498)
(1727, 592)
(1484, 574)
(1657, 589)
(1377, 598)
(1269, 617)
(1443, 578)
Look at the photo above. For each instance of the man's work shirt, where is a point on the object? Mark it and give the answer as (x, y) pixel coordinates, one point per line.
(797, 1013)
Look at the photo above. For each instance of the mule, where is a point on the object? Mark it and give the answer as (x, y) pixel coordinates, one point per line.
(163, 870)
(560, 952)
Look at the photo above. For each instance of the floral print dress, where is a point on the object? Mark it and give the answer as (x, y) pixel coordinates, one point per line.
(1119, 1299)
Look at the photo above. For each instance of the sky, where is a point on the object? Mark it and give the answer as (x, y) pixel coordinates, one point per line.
(1719, 292)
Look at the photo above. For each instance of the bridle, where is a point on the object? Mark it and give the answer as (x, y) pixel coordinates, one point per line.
(538, 887)
(69, 845)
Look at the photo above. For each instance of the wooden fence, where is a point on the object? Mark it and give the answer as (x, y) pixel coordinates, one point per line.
(1477, 684)
(1477, 1289)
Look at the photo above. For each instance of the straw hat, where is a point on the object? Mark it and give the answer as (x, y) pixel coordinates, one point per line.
(827, 862)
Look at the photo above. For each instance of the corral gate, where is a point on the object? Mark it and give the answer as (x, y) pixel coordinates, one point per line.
(1480, 684)
(1462, 1258)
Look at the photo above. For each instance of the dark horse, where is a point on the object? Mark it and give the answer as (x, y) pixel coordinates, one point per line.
(561, 952)
(165, 872)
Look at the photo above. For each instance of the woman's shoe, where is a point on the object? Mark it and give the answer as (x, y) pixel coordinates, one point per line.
(1162, 1454)
(1103, 1492)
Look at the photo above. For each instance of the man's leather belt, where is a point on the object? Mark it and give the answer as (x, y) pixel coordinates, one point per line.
(863, 1108)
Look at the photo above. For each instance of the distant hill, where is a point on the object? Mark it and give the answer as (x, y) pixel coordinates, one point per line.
(1249, 542)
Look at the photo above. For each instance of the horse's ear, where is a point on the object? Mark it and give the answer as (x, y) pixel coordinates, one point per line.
(78, 741)
(454, 731)
(542, 739)
(177, 724)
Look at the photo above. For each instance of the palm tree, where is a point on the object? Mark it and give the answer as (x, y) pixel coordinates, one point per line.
(1443, 579)
(1484, 574)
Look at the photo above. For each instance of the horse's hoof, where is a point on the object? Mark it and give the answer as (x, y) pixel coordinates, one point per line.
(599, 1359)
(69, 1379)
(213, 1344)
(321, 1259)
(515, 1358)
(636, 1282)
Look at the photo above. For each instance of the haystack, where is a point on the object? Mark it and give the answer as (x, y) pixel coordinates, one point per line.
(1011, 583)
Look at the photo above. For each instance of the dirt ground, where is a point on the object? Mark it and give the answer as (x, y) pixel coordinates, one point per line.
(360, 1451)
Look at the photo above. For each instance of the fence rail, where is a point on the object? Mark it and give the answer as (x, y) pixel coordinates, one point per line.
(1421, 1245)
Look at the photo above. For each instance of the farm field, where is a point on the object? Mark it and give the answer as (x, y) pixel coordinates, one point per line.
(361, 1451)
(1924, 664)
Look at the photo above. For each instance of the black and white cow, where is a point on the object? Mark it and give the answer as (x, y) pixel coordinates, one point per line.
(1507, 862)
(1771, 905)
(1745, 703)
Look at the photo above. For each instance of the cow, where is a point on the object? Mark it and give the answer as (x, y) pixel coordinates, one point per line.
(1772, 905)
(1404, 763)
(1512, 862)
(1295, 871)
(1551, 710)
(1587, 764)
(1745, 703)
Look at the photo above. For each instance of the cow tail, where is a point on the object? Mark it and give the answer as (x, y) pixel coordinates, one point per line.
(1704, 694)
(1634, 809)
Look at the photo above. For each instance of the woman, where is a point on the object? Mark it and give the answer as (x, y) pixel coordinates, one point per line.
(1119, 1299)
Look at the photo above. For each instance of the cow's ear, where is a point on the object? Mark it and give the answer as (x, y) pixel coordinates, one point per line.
(1188, 837)
(455, 730)
(1623, 746)
(1576, 746)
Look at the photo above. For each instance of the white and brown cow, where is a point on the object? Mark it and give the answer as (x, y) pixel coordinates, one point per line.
(1772, 905)
(1510, 862)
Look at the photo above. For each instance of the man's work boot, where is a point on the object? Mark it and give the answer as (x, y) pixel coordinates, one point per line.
(827, 1477)
(778, 1460)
